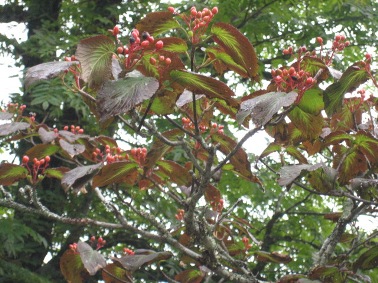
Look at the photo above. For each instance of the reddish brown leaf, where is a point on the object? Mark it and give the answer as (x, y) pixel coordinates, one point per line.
(72, 267)
(158, 22)
(190, 276)
(11, 173)
(136, 261)
(117, 172)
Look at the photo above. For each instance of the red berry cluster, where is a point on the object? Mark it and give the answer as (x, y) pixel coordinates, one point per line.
(70, 58)
(215, 128)
(128, 251)
(246, 243)
(180, 214)
(139, 154)
(137, 45)
(112, 154)
(290, 79)
(339, 43)
(198, 21)
(99, 243)
(14, 108)
(36, 168)
(74, 129)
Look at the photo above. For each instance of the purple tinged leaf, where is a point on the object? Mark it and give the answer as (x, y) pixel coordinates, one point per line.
(92, 260)
(5, 115)
(71, 137)
(187, 97)
(46, 71)
(117, 97)
(262, 108)
(46, 136)
(10, 128)
(134, 262)
(95, 56)
(72, 149)
(116, 68)
(289, 173)
(77, 178)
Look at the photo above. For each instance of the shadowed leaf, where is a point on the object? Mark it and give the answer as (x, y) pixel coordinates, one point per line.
(174, 172)
(72, 149)
(367, 260)
(190, 276)
(272, 257)
(77, 178)
(114, 274)
(95, 56)
(11, 173)
(46, 136)
(92, 260)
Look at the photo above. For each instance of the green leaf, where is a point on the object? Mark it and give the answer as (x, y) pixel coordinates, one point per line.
(263, 107)
(310, 125)
(328, 274)
(312, 101)
(174, 172)
(114, 274)
(367, 260)
(117, 97)
(136, 261)
(157, 23)
(223, 61)
(40, 151)
(117, 172)
(92, 260)
(95, 56)
(72, 267)
(208, 86)
(45, 71)
(174, 44)
(237, 46)
(56, 173)
(350, 80)
(11, 173)
(10, 128)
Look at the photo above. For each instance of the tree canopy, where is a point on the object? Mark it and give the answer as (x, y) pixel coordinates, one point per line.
(128, 167)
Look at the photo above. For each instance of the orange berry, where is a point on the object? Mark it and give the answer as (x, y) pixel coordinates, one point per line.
(168, 61)
(25, 159)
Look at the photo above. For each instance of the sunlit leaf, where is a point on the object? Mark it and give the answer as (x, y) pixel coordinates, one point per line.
(56, 173)
(118, 97)
(6, 115)
(95, 56)
(10, 128)
(40, 151)
(174, 172)
(350, 80)
(136, 261)
(92, 259)
(46, 71)
(117, 172)
(72, 267)
(262, 108)
(157, 23)
(237, 46)
(200, 84)
(11, 173)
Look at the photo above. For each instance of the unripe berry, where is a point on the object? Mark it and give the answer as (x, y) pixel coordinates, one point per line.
(285, 52)
(25, 159)
(145, 43)
(115, 30)
(168, 61)
(368, 56)
(151, 39)
(193, 11)
(152, 61)
(319, 40)
(309, 80)
(171, 9)
(159, 44)
(119, 49)
(81, 131)
(214, 10)
(161, 58)
(337, 37)
(65, 128)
